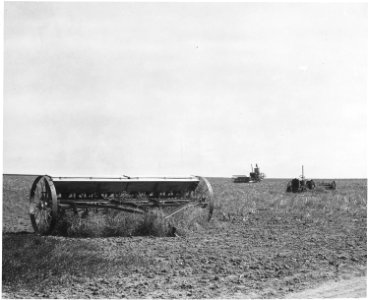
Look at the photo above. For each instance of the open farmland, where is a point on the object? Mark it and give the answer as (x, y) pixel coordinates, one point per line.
(261, 243)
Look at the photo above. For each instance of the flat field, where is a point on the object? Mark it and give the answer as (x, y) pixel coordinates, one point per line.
(261, 243)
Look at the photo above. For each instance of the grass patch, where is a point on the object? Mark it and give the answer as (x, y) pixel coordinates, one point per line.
(97, 224)
(112, 223)
(250, 201)
(190, 220)
(155, 224)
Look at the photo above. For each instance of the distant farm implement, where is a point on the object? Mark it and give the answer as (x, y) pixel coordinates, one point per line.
(255, 176)
(50, 196)
(301, 184)
(327, 185)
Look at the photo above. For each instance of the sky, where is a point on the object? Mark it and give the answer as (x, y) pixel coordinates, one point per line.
(208, 89)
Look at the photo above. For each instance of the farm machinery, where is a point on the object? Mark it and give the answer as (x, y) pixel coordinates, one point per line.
(301, 184)
(255, 176)
(328, 185)
(51, 196)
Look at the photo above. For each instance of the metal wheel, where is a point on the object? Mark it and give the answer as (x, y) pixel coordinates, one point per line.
(289, 187)
(204, 196)
(310, 184)
(202, 202)
(43, 207)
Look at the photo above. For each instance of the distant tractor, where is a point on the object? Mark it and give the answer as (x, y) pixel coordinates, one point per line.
(297, 185)
(255, 176)
(301, 185)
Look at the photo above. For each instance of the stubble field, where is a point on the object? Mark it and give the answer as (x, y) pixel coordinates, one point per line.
(260, 243)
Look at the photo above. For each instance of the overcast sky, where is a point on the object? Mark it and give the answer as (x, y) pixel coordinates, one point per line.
(185, 88)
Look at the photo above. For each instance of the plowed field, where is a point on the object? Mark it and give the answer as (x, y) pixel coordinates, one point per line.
(261, 243)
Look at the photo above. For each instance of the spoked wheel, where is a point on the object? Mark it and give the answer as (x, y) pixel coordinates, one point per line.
(201, 204)
(43, 208)
(204, 196)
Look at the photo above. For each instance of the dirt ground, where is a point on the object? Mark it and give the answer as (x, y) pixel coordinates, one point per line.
(349, 288)
(259, 255)
(206, 265)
